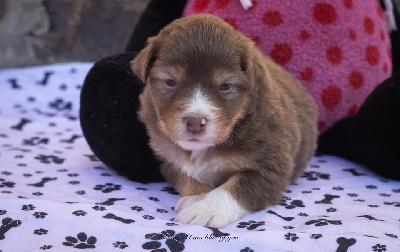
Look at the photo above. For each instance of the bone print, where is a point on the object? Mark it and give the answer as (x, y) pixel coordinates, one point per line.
(71, 140)
(14, 84)
(46, 77)
(41, 183)
(23, 122)
(345, 243)
(8, 223)
(110, 201)
(217, 232)
(354, 172)
(47, 159)
(369, 217)
(114, 217)
(327, 200)
(60, 105)
(47, 114)
(283, 218)
(35, 141)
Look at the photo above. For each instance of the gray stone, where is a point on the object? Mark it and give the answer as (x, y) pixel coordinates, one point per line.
(46, 31)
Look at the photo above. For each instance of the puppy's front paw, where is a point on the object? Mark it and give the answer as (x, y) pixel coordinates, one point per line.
(216, 209)
(187, 201)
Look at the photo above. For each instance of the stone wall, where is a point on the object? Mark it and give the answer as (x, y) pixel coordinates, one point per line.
(46, 31)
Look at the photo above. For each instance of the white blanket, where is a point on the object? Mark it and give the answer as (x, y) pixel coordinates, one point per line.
(56, 196)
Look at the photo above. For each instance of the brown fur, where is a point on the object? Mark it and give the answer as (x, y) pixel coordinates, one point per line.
(267, 122)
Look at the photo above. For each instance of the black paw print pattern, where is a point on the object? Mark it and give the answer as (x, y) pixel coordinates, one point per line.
(379, 248)
(174, 242)
(315, 236)
(40, 215)
(293, 204)
(323, 222)
(246, 249)
(120, 245)
(28, 207)
(137, 208)
(291, 237)
(79, 213)
(107, 188)
(40, 231)
(313, 176)
(251, 225)
(82, 241)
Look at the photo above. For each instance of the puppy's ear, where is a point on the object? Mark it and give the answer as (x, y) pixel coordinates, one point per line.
(253, 67)
(143, 62)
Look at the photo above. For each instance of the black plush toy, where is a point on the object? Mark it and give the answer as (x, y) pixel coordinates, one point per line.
(109, 103)
(110, 100)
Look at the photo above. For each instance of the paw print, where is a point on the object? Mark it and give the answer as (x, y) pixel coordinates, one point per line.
(288, 227)
(302, 214)
(313, 176)
(251, 225)
(107, 188)
(80, 192)
(162, 211)
(154, 199)
(148, 217)
(331, 210)
(175, 242)
(391, 235)
(40, 231)
(81, 242)
(40, 215)
(293, 204)
(246, 249)
(121, 245)
(291, 236)
(44, 247)
(323, 222)
(79, 213)
(28, 207)
(379, 248)
(396, 204)
(137, 208)
(99, 208)
(315, 236)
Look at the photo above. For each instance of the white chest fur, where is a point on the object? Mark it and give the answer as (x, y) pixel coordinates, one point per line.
(203, 168)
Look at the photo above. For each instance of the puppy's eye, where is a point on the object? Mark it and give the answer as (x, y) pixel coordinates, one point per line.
(170, 83)
(224, 87)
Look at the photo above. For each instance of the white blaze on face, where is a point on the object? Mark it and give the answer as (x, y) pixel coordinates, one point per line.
(198, 105)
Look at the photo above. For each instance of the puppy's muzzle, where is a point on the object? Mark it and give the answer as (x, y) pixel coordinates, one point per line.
(195, 125)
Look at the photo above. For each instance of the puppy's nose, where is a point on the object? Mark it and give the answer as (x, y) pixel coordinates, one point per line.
(195, 125)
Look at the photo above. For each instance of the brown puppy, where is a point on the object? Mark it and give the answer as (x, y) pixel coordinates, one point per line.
(232, 127)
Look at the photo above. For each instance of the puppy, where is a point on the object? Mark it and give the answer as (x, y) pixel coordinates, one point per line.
(232, 128)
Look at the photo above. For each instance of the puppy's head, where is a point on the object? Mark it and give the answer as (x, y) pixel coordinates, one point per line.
(199, 75)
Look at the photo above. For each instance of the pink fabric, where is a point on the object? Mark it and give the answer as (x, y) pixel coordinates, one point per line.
(338, 49)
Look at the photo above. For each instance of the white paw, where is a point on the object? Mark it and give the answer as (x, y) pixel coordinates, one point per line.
(216, 209)
(187, 200)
